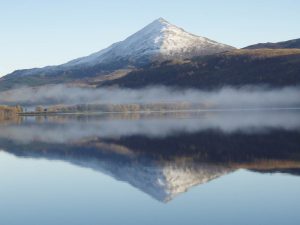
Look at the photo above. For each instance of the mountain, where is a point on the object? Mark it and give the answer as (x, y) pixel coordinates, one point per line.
(295, 43)
(269, 67)
(157, 42)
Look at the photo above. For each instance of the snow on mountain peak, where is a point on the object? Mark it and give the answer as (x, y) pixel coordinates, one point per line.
(162, 20)
(158, 40)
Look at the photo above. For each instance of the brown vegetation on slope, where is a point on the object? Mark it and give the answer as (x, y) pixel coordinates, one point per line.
(263, 52)
(264, 67)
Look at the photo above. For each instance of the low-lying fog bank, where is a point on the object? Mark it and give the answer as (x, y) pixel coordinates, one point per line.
(65, 98)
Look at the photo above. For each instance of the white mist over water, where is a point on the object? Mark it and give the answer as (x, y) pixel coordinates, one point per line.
(248, 96)
(64, 129)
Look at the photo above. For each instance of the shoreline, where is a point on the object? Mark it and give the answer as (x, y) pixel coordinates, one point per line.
(160, 111)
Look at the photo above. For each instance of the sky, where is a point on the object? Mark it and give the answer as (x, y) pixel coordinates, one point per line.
(36, 33)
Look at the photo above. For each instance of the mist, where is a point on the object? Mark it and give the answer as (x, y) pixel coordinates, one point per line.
(65, 130)
(248, 96)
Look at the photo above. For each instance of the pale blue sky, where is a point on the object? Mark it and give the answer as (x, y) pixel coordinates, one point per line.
(36, 33)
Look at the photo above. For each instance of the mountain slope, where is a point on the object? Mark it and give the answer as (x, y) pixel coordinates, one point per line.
(284, 44)
(275, 68)
(158, 41)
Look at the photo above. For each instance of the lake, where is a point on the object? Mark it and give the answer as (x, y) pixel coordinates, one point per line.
(203, 167)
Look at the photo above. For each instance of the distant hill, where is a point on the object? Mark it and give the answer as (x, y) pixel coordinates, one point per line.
(279, 45)
(275, 68)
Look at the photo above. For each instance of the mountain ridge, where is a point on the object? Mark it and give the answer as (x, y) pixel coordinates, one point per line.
(294, 43)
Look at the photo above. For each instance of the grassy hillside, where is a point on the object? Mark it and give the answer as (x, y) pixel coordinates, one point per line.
(276, 68)
(273, 67)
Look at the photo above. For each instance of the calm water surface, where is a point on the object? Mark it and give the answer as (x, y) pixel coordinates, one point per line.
(178, 168)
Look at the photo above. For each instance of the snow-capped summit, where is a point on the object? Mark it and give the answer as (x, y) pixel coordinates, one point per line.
(158, 40)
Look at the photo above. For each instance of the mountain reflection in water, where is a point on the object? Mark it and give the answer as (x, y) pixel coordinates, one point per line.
(162, 155)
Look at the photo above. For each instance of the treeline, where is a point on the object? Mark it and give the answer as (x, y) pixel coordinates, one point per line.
(118, 107)
(8, 112)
